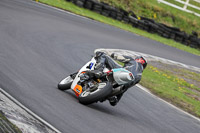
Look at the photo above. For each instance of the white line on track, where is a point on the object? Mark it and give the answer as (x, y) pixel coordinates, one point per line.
(68, 12)
(148, 57)
(62, 10)
(139, 86)
(153, 58)
(29, 111)
(147, 91)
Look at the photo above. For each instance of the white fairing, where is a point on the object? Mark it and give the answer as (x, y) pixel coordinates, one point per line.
(66, 80)
(106, 69)
(122, 76)
(84, 68)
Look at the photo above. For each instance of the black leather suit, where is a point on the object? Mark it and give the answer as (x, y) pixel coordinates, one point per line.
(104, 60)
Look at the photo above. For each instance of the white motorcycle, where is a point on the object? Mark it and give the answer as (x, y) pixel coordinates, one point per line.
(102, 86)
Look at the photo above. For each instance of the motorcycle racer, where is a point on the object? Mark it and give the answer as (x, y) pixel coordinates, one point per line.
(135, 66)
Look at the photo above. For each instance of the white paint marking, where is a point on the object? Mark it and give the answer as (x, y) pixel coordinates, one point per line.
(29, 111)
(62, 10)
(147, 91)
(154, 58)
(65, 11)
(148, 57)
(68, 12)
(139, 86)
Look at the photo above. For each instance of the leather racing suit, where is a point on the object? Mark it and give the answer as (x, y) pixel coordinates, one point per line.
(136, 68)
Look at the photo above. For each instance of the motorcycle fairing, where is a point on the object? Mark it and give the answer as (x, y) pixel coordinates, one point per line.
(122, 76)
(87, 67)
(78, 90)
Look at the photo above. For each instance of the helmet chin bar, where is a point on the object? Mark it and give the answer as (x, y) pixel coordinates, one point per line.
(140, 61)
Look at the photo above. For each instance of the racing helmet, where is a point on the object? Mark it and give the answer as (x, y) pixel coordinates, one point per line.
(141, 60)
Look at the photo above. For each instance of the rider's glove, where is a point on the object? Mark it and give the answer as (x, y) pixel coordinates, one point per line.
(119, 58)
(98, 54)
(98, 74)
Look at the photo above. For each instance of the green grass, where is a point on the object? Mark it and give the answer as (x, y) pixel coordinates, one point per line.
(6, 127)
(174, 85)
(196, 4)
(188, 7)
(162, 83)
(87, 13)
(175, 3)
(172, 88)
(164, 13)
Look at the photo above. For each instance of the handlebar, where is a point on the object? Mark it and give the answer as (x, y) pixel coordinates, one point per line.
(109, 72)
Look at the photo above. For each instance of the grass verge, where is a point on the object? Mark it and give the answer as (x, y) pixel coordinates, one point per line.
(178, 86)
(6, 126)
(162, 13)
(87, 13)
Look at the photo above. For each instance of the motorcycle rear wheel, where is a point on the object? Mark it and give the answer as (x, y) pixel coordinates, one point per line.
(65, 84)
(103, 90)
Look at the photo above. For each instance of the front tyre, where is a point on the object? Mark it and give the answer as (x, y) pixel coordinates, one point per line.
(65, 84)
(103, 90)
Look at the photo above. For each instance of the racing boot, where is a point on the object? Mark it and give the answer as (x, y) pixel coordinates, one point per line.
(113, 100)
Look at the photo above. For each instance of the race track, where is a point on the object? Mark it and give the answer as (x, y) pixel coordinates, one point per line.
(40, 45)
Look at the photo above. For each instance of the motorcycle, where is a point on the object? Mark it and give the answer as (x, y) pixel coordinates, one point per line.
(90, 85)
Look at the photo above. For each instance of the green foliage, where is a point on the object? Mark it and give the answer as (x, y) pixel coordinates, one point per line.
(6, 125)
(165, 14)
(84, 12)
(170, 87)
(162, 83)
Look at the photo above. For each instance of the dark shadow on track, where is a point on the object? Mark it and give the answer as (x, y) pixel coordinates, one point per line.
(113, 111)
(102, 108)
(69, 92)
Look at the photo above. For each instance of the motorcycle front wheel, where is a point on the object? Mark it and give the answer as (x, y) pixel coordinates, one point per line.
(65, 84)
(102, 91)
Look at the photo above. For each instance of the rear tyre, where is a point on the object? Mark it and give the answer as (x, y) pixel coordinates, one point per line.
(103, 90)
(65, 84)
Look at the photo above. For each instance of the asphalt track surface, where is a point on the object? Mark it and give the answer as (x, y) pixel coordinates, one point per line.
(39, 46)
